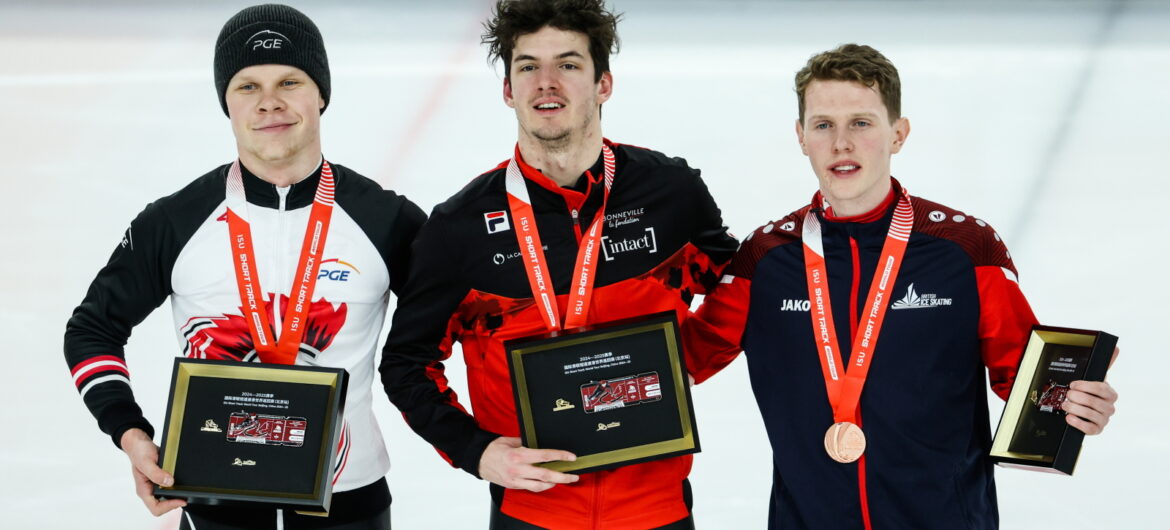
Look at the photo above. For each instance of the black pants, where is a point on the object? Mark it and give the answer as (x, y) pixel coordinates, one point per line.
(501, 521)
(366, 508)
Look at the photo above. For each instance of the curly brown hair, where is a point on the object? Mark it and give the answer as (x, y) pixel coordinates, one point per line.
(512, 19)
(858, 63)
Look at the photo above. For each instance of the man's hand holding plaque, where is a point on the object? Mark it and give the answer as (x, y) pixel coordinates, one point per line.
(1090, 404)
(511, 465)
(143, 455)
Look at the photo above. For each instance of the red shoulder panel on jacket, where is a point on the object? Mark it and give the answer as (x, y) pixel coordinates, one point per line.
(763, 239)
(981, 242)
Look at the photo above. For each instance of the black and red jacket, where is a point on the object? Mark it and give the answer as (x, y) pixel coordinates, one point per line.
(663, 242)
(956, 317)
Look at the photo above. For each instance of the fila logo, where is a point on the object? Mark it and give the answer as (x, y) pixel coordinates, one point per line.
(612, 248)
(792, 304)
(267, 39)
(913, 300)
(496, 221)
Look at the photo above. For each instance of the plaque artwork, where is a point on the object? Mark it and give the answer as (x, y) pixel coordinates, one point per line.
(264, 429)
(621, 392)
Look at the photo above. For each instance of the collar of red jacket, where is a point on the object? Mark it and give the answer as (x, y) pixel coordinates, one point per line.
(868, 217)
(574, 195)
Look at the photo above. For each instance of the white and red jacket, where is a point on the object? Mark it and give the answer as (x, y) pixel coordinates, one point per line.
(179, 247)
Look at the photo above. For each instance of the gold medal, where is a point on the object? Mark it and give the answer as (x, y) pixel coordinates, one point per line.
(844, 442)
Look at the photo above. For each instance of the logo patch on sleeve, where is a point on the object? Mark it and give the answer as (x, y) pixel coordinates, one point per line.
(496, 221)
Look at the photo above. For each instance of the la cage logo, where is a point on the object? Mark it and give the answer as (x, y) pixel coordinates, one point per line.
(268, 40)
(496, 221)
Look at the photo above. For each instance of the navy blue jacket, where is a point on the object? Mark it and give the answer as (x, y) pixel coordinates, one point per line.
(955, 309)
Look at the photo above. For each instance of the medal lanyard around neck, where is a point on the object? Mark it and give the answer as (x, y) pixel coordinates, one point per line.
(535, 264)
(283, 350)
(845, 389)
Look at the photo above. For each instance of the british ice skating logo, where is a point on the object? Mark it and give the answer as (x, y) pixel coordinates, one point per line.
(913, 300)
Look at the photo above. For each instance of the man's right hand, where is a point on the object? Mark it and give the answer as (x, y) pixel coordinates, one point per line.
(506, 463)
(143, 456)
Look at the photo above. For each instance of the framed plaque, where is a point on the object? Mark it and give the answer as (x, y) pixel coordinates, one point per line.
(1033, 433)
(239, 433)
(614, 394)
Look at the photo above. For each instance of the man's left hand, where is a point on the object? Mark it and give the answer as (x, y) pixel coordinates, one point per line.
(1089, 404)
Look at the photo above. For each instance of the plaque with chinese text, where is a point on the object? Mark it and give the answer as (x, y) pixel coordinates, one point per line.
(241, 433)
(1033, 432)
(613, 394)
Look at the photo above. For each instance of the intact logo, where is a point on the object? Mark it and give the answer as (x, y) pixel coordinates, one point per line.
(794, 304)
(612, 247)
(336, 270)
(913, 300)
(267, 40)
(496, 221)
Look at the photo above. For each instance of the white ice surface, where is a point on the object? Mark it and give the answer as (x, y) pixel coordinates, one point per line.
(1048, 119)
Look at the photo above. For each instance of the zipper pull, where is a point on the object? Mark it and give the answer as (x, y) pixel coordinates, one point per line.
(576, 223)
(283, 194)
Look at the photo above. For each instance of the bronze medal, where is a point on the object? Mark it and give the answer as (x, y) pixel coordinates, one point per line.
(844, 442)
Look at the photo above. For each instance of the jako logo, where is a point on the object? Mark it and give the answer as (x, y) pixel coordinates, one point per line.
(268, 40)
(791, 304)
(612, 248)
(496, 221)
(334, 272)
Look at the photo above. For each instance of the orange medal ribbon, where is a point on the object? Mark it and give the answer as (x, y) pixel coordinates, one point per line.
(532, 252)
(268, 347)
(844, 384)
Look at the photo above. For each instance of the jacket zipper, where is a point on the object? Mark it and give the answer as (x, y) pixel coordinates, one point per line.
(597, 501)
(854, 318)
(279, 257)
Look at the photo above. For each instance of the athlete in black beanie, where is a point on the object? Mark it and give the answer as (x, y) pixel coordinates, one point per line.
(270, 34)
(272, 204)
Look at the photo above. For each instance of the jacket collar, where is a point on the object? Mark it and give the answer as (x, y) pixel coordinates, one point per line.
(574, 195)
(265, 195)
(876, 214)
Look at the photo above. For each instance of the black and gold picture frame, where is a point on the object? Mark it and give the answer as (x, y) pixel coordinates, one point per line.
(614, 394)
(249, 433)
(1033, 433)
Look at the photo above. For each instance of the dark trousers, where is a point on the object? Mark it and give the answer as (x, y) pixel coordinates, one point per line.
(366, 508)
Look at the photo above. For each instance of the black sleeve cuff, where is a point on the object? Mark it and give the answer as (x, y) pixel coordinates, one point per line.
(119, 418)
(475, 451)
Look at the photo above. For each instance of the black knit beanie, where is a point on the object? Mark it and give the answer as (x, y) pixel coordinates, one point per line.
(270, 34)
